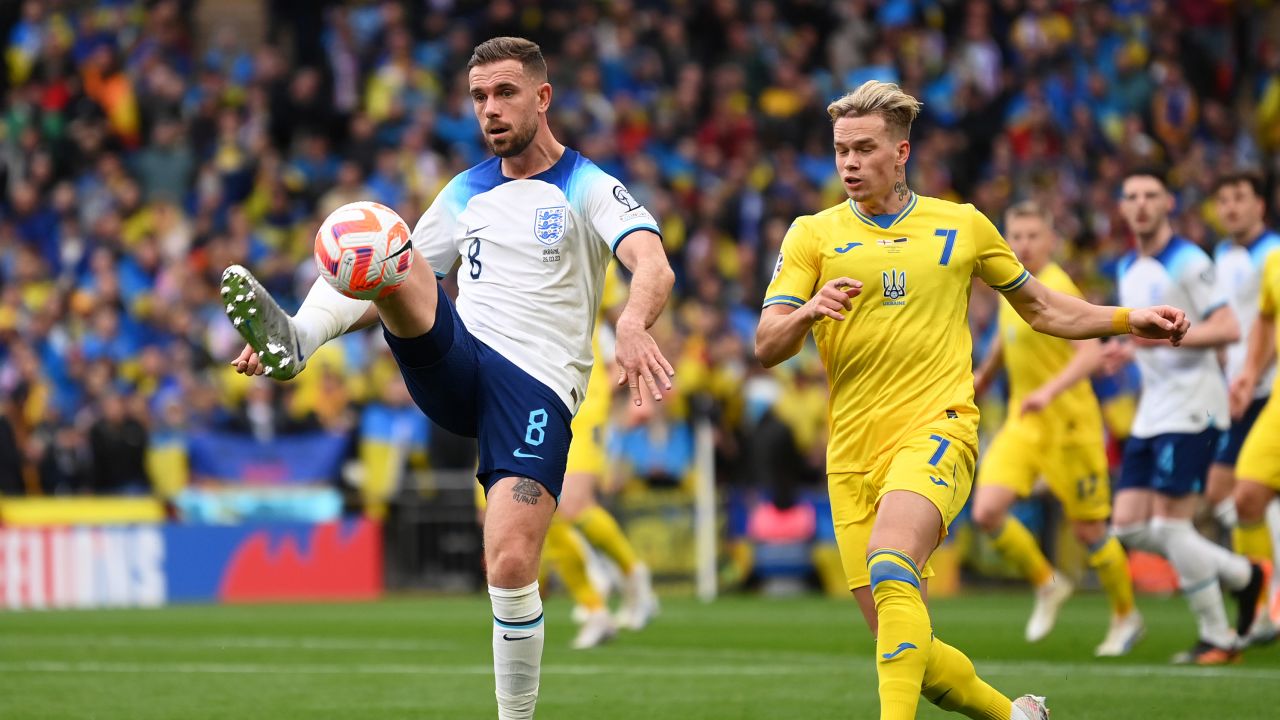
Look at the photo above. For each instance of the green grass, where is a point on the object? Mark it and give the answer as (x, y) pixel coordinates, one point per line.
(736, 659)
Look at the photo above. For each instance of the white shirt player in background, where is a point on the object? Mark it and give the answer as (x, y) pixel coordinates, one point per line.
(1240, 201)
(1181, 415)
(534, 228)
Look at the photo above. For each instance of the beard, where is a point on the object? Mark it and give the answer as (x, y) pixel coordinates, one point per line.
(513, 142)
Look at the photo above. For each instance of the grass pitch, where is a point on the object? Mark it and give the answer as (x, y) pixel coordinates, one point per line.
(738, 659)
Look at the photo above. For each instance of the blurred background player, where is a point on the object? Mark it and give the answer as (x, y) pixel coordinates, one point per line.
(494, 368)
(904, 425)
(586, 471)
(1258, 465)
(1053, 429)
(1182, 413)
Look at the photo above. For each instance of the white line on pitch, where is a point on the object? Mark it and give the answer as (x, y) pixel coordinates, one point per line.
(268, 643)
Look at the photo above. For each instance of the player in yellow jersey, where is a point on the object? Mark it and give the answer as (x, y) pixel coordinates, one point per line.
(1054, 430)
(883, 282)
(585, 469)
(1258, 467)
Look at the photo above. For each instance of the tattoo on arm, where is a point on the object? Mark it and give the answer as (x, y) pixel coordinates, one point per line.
(526, 491)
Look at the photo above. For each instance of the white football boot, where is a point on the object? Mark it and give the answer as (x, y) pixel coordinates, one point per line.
(597, 629)
(1049, 600)
(639, 602)
(1125, 632)
(262, 323)
(1029, 707)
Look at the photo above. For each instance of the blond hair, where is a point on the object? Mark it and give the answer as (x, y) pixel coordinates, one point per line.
(874, 97)
(1030, 208)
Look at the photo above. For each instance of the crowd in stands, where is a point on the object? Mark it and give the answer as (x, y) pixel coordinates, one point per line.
(144, 146)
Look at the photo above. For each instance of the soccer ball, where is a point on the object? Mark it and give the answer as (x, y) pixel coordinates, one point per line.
(363, 250)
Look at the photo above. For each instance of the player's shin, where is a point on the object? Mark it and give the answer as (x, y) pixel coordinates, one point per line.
(1016, 543)
(904, 636)
(1196, 561)
(602, 531)
(517, 649)
(1108, 559)
(951, 683)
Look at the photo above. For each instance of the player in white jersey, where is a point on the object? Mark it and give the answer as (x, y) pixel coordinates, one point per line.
(534, 228)
(1239, 199)
(1181, 415)
(1241, 208)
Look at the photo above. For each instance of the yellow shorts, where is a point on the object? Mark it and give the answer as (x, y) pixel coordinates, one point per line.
(586, 450)
(1075, 470)
(1260, 456)
(929, 463)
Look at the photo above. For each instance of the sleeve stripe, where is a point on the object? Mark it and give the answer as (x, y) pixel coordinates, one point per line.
(441, 275)
(613, 247)
(1017, 282)
(791, 300)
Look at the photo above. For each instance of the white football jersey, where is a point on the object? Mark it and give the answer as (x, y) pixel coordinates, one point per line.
(533, 255)
(1183, 389)
(1240, 273)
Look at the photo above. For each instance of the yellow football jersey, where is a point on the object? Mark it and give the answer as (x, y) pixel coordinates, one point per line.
(1032, 358)
(1269, 303)
(900, 361)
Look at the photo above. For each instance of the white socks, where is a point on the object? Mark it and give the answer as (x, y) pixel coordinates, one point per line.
(325, 314)
(1225, 512)
(1200, 565)
(1138, 536)
(518, 637)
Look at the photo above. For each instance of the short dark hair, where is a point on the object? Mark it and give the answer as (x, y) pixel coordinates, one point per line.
(511, 48)
(1150, 171)
(1247, 177)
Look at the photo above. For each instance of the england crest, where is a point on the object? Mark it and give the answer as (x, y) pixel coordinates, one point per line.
(549, 224)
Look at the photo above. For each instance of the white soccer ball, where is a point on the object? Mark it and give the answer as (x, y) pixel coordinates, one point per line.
(363, 250)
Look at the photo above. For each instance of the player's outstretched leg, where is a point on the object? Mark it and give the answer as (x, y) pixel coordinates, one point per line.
(1016, 544)
(519, 512)
(1108, 559)
(263, 324)
(566, 552)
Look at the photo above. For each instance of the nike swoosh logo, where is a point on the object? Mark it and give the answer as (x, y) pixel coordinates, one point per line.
(473, 231)
(513, 639)
(848, 247)
(522, 454)
(902, 647)
(938, 481)
(403, 248)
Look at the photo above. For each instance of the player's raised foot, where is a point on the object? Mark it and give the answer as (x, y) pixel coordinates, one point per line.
(1029, 707)
(262, 323)
(1206, 653)
(639, 602)
(1125, 632)
(1247, 599)
(1049, 600)
(597, 628)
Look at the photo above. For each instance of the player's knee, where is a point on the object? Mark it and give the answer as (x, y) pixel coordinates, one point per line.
(989, 517)
(512, 564)
(1089, 532)
(1251, 501)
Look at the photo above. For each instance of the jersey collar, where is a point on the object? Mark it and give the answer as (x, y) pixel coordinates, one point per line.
(884, 222)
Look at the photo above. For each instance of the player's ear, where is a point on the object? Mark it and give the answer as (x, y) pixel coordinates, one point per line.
(544, 97)
(904, 151)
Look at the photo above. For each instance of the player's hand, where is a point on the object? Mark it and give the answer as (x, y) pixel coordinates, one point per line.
(1160, 322)
(1241, 395)
(831, 298)
(247, 363)
(1036, 401)
(1115, 355)
(640, 360)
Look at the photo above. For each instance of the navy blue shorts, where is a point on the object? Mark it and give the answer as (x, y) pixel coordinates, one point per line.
(469, 389)
(1233, 440)
(1173, 464)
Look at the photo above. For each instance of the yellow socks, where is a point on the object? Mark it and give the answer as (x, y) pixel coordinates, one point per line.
(1112, 566)
(1016, 543)
(602, 531)
(564, 550)
(902, 644)
(1252, 541)
(951, 683)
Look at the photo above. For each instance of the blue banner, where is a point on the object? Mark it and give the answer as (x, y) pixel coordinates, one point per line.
(287, 460)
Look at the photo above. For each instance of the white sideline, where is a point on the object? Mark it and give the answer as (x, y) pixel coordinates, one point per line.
(1067, 669)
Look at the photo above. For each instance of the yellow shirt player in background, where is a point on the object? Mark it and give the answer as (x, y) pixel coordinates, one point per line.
(883, 282)
(1258, 467)
(1053, 430)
